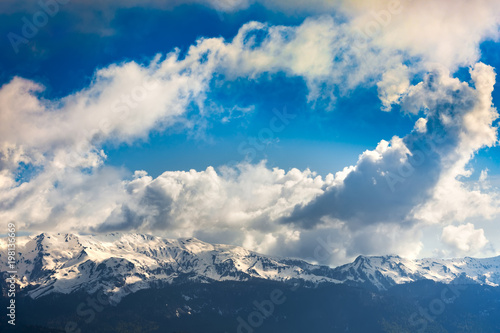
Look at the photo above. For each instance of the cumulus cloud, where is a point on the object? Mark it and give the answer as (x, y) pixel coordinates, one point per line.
(408, 179)
(246, 197)
(237, 205)
(464, 238)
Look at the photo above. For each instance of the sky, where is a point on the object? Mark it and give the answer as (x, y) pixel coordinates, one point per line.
(287, 127)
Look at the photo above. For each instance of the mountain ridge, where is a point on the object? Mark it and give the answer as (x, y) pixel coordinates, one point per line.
(121, 264)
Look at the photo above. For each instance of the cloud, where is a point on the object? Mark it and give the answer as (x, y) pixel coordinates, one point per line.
(447, 32)
(323, 51)
(464, 238)
(407, 179)
(394, 84)
(247, 197)
(342, 45)
(123, 104)
(243, 205)
(126, 101)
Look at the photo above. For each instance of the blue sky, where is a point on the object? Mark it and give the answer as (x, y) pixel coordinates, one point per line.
(319, 139)
(305, 62)
(323, 141)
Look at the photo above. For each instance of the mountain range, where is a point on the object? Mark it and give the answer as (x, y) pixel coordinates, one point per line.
(121, 264)
(153, 284)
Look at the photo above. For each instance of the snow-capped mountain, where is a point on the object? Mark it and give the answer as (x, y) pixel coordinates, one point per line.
(385, 271)
(121, 264)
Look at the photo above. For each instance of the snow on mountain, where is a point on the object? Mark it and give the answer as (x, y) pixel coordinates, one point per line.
(121, 264)
(385, 271)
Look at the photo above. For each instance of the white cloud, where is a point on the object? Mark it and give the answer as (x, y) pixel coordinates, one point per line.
(321, 50)
(126, 101)
(394, 84)
(249, 197)
(470, 121)
(123, 103)
(464, 239)
(445, 32)
(416, 178)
